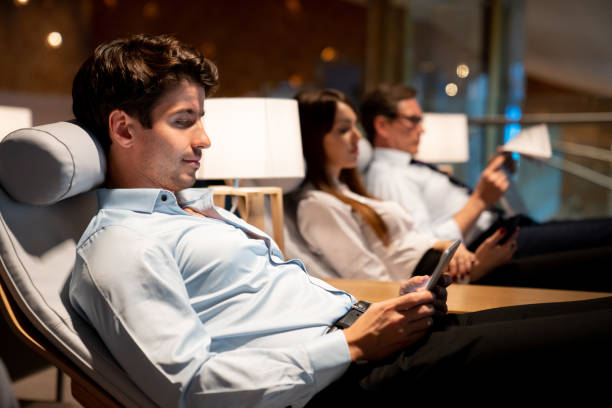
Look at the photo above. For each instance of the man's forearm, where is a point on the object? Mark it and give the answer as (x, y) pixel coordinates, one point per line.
(467, 216)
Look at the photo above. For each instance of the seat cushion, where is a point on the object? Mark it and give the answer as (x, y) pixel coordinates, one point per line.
(37, 255)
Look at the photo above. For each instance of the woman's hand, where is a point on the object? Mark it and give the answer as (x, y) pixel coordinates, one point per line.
(462, 262)
(490, 254)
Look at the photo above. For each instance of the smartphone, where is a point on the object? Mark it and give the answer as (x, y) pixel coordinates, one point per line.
(443, 264)
(511, 225)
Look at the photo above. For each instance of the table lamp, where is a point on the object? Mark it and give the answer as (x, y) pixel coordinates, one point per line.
(445, 139)
(252, 138)
(13, 118)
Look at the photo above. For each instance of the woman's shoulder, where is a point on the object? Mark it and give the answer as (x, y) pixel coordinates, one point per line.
(313, 198)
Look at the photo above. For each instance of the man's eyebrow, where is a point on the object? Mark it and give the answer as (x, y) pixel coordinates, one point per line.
(188, 111)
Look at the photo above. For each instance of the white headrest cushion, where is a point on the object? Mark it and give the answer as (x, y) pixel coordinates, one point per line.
(45, 164)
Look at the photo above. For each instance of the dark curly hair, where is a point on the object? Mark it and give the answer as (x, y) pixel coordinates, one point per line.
(132, 74)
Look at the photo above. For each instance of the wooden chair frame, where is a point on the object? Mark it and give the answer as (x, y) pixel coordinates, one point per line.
(83, 388)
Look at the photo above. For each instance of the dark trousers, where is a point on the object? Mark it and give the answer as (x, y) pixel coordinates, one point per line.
(557, 255)
(549, 352)
(554, 236)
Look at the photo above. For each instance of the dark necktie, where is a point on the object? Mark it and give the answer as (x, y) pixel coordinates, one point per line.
(452, 179)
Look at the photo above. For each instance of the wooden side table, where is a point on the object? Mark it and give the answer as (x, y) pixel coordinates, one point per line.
(251, 204)
(466, 298)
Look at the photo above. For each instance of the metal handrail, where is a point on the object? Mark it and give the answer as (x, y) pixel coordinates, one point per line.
(575, 149)
(581, 150)
(552, 118)
(581, 171)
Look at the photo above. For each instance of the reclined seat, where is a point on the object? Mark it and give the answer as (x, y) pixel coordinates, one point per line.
(46, 177)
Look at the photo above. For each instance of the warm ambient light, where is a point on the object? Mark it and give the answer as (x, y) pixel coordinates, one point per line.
(463, 71)
(110, 3)
(150, 10)
(328, 54)
(294, 6)
(295, 81)
(451, 89)
(54, 39)
(21, 2)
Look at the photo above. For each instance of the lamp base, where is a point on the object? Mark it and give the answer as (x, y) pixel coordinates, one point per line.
(251, 204)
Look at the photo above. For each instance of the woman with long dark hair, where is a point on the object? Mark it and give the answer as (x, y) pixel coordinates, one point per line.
(359, 235)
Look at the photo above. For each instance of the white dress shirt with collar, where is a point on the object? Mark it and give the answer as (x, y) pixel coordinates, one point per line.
(333, 230)
(429, 196)
(204, 311)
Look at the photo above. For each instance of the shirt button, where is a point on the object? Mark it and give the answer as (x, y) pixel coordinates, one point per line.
(164, 197)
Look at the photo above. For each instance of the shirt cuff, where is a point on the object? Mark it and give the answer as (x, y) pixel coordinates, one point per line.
(330, 358)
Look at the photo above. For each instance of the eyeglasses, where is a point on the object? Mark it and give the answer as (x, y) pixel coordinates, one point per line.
(413, 119)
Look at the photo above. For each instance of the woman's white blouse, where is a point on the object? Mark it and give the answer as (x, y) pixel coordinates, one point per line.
(333, 230)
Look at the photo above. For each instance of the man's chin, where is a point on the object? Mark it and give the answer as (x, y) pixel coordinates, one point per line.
(184, 182)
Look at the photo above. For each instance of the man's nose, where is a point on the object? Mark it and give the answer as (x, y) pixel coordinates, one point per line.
(420, 127)
(201, 139)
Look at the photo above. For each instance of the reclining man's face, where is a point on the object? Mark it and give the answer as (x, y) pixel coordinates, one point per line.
(169, 153)
(405, 130)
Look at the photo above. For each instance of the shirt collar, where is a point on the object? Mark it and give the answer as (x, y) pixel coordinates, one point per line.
(392, 155)
(149, 200)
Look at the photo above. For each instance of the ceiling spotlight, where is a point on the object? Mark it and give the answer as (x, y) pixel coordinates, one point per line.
(21, 2)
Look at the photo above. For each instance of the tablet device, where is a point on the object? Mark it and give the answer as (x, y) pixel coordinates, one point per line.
(443, 264)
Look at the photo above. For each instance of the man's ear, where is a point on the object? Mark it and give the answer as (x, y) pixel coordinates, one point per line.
(381, 125)
(119, 127)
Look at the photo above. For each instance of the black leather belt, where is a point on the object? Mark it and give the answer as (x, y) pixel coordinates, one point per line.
(349, 318)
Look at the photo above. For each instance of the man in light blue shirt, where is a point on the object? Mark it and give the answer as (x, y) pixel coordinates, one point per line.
(202, 300)
(201, 310)
(197, 306)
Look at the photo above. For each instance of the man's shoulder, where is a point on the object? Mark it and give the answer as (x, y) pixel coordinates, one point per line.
(108, 229)
(385, 173)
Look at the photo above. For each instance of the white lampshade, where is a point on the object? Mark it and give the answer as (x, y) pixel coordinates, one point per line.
(13, 118)
(445, 139)
(252, 138)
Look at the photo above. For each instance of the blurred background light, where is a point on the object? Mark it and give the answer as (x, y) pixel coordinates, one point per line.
(294, 6)
(328, 54)
(463, 71)
(296, 81)
(54, 39)
(150, 10)
(451, 89)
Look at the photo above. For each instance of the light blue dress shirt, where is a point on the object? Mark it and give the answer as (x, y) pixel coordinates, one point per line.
(199, 313)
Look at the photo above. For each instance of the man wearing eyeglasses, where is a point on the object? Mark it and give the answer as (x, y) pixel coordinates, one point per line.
(448, 209)
(392, 119)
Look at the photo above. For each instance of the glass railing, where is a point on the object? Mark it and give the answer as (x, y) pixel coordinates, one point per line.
(576, 182)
